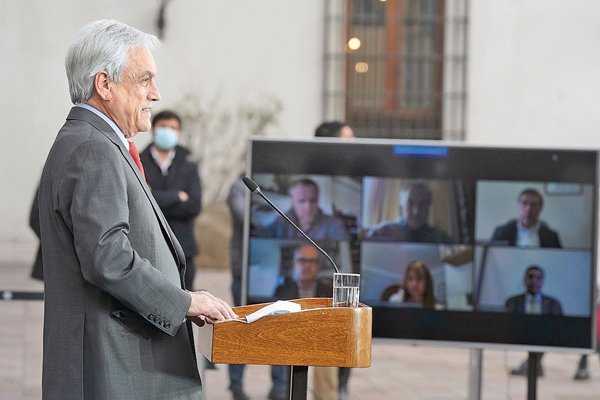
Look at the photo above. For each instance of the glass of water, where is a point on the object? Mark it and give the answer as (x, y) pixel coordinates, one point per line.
(346, 288)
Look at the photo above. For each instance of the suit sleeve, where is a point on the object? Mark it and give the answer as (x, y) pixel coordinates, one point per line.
(95, 200)
(509, 305)
(236, 200)
(557, 308)
(497, 235)
(556, 240)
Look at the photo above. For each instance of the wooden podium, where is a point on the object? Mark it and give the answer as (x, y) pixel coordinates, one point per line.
(318, 335)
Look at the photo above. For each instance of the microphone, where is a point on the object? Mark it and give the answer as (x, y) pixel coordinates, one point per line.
(254, 188)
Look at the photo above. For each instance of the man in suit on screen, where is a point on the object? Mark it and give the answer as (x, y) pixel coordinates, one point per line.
(533, 301)
(307, 266)
(527, 230)
(117, 315)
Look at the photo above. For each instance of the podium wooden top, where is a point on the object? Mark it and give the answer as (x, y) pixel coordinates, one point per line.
(318, 335)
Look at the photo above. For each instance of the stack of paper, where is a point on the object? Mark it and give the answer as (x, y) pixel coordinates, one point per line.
(279, 307)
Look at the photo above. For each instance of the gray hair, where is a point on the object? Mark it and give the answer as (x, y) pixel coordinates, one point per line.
(101, 46)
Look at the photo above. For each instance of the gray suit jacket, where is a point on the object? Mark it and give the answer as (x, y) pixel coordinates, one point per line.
(114, 303)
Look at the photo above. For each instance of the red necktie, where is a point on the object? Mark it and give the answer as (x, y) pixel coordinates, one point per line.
(136, 158)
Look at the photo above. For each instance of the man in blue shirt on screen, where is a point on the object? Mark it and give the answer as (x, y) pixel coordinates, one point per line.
(307, 215)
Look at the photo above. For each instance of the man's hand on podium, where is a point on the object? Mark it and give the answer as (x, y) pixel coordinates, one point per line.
(201, 320)
(206, 308)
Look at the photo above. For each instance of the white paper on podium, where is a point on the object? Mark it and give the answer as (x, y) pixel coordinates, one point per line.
(279, 307)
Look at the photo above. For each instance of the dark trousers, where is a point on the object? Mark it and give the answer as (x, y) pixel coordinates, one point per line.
(279, 374)
(236, 371)
(344, 377)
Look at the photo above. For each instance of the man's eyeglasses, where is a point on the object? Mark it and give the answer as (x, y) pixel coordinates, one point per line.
(305, 261)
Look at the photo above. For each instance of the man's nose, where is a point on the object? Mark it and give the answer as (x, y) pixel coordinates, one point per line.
(154, 93)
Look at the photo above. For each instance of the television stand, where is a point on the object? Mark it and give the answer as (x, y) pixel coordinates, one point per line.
(532, 374)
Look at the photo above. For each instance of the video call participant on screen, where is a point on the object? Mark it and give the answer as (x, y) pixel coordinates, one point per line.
(527, 230)
(307, 265)
(417, 287)
(413, 226)
(533, 302)
(307, 215)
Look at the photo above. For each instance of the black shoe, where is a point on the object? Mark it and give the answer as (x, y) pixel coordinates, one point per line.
(278, 395)
(522, 370)
(342, 394)
(582, 374)
(239, 395)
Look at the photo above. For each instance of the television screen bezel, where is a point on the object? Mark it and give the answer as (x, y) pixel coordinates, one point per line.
(432, 145)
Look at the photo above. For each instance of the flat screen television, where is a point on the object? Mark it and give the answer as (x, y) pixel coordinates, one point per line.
(474, 245)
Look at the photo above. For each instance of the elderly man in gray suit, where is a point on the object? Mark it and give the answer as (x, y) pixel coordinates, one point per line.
(117, 315)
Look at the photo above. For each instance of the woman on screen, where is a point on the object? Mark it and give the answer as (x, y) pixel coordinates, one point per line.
(417, 287)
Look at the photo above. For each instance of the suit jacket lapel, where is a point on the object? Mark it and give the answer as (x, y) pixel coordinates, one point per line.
(87, 116)
(512, 234)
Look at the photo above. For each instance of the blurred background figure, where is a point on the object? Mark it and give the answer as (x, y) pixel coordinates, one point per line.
(306, 283)
(334, 129)
(582, 372)
(37, 270)
(235, 201)
(176, 187)
(175, 184)
(343, 131)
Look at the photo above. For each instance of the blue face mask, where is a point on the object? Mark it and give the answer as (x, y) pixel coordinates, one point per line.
(165, 138)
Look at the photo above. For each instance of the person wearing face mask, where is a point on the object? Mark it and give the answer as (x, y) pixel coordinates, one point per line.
(175, 184)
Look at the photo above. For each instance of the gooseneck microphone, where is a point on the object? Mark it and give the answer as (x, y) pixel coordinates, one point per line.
(254, 188)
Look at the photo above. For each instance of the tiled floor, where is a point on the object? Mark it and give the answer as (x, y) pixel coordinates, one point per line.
(398, 371)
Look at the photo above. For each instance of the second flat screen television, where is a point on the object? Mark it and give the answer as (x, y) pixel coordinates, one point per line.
(475, 245)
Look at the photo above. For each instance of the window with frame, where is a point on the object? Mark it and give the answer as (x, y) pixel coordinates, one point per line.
(395, 59)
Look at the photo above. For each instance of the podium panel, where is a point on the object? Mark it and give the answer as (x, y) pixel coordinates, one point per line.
(318, 335)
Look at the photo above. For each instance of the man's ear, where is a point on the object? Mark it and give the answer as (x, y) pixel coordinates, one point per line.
(103, 86)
